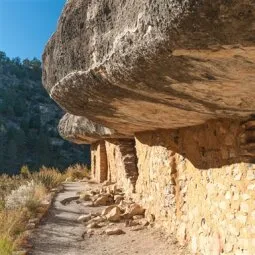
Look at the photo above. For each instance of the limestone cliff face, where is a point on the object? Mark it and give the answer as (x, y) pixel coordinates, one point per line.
(79, 129)
(164, 91)
(141, 65)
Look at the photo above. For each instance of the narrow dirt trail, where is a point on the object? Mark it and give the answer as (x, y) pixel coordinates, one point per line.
(61, 234)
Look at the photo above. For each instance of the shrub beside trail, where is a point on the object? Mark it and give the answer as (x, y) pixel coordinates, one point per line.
(22, 200)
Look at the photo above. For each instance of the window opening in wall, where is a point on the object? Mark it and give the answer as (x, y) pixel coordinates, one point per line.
(94, 162)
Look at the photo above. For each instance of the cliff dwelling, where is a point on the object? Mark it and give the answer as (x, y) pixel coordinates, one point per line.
(164, 93)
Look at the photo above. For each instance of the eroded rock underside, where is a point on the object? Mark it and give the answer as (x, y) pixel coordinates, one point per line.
(164, 91)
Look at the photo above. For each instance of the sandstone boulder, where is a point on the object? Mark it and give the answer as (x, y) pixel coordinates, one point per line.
(114, 214)
(102, 200)
(108, 209)
(126, 216)
(114, 231)
(93, 225)
(131, 223)
(118, 198)
(135, 209)
(84, 218)
(97, 219)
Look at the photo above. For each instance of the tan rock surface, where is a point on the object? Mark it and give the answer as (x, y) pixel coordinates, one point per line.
(83, 131)
(108, 209)
(135, 209)
(102, 200)
(155, 65)
(114, 231)
(114, 214)
(84, 218)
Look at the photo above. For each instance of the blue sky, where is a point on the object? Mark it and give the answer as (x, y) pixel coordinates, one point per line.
(26, 26)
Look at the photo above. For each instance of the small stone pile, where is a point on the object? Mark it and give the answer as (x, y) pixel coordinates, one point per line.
(117, 209)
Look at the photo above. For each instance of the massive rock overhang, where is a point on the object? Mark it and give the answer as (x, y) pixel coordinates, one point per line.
(160, 64)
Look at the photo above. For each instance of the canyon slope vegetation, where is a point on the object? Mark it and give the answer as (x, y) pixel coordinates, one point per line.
(28, 121)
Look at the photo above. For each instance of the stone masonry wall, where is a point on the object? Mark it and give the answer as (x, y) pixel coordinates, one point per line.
(122, 163)
(194, 183)
(99, 166)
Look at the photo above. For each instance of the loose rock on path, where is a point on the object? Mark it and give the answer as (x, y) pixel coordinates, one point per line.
(61, 233)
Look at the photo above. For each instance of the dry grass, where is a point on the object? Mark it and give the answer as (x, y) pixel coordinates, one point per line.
(6, 245)
(7, 184)
(77, 172)
(21, 199)
(48, 177)
(12, 226)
